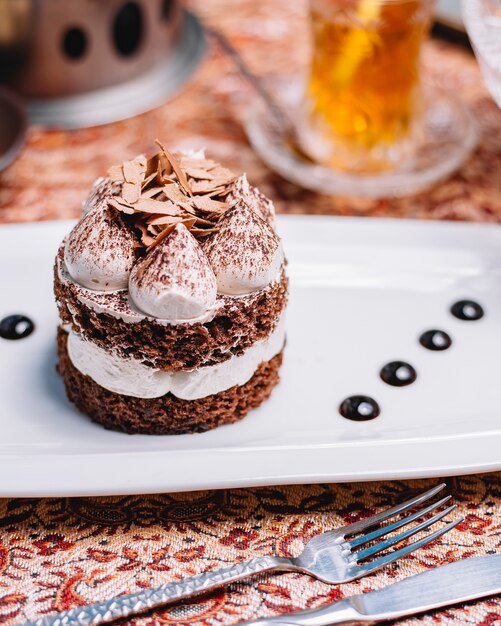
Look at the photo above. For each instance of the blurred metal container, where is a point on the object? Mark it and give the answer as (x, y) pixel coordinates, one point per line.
(84, 62)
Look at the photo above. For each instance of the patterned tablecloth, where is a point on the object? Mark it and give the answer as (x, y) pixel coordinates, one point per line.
(57, 553)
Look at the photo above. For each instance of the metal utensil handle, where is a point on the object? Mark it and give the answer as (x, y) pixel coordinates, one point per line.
(131, 604)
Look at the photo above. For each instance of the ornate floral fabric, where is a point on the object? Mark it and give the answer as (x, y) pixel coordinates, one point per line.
(57, 553)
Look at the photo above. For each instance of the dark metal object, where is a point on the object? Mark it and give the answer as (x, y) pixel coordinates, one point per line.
(75, 46)
(140, 94)
(86, 62)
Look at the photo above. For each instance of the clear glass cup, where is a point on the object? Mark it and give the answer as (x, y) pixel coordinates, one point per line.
(362, 109)
(483, 22)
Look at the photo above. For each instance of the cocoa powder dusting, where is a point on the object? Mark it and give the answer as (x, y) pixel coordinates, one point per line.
(243, 240)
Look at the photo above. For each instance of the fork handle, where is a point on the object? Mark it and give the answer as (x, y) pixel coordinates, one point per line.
(134, 603)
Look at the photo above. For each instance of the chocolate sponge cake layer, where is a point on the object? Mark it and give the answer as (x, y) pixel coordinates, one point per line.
(237, 325)
(167, 414)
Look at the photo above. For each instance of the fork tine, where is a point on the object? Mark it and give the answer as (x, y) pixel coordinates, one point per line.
(357, 527)
(385, 530)
(391, 541)
(363, 570)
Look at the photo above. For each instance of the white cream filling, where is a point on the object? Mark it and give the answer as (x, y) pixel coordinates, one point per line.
(132, 315)
(130, 377)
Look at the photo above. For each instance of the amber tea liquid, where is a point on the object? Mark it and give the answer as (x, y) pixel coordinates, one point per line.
(363, 96)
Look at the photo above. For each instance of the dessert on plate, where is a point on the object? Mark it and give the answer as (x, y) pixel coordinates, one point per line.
(171, 292)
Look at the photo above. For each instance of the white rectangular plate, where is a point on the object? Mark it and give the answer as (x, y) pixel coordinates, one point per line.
(362, 291)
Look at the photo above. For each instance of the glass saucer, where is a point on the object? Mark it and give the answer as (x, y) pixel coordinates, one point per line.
(448, 136)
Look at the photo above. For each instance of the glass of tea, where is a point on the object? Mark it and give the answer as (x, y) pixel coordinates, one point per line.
(364, 123)
(362, 109)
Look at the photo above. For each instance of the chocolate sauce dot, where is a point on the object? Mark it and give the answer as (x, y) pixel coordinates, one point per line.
(467, 310)
(16, 327)
(435, 340)
(398, 374)
(359, 408)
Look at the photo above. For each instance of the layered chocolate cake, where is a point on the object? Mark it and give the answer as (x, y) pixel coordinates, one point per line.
(171, 292)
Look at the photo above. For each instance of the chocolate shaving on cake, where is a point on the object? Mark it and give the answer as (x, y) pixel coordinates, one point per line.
(181, 176)
(167, 189)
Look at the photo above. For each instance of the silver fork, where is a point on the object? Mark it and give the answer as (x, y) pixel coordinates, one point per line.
(330, 557)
